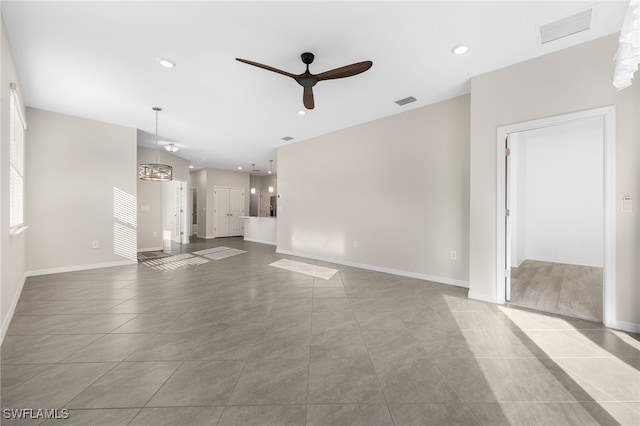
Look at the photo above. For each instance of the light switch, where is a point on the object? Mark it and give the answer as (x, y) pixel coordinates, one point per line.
(627, 204)
(144, 208)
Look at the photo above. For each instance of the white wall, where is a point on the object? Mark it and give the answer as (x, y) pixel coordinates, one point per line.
(564, 193)
(575, 79)
(81, 187)
(12, 248)
(399, 186)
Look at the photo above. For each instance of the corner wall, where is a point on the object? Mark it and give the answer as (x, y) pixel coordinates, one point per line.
(570, 80)
(12, 248)
(391, 194)
(80, 188)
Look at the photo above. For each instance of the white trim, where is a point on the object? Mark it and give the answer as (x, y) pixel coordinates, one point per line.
(559, 260)
(12, 308)
(409, 274)
(482, 297)
(80, 268)
(608, 115)
(625, 326)
(140, 250)
(272, 243)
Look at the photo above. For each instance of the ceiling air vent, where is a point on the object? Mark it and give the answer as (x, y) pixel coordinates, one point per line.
(566, 26)
(286, 138)
(406, 100)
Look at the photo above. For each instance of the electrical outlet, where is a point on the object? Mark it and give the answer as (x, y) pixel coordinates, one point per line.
(155, 233)
(95, 244)
(454, 255)
(355, 244)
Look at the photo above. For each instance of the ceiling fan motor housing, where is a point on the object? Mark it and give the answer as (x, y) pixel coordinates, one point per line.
(307, 57)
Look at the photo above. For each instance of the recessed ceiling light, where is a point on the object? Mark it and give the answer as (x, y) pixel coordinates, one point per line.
(286, 138)
(191, 166)
(460, 49)
(302, 112)
(167, 63)
(239, 167)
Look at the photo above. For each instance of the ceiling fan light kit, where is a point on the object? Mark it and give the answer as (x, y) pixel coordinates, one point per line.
(307, 80)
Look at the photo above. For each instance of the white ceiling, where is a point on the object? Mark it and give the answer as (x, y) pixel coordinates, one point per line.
(98, 60)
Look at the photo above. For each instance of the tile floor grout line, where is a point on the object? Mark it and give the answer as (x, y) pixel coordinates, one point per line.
(211, 294)
(378, 380)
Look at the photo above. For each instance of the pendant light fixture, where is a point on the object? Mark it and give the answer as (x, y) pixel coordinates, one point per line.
(155, 171)
(171, 147)
(270, 166)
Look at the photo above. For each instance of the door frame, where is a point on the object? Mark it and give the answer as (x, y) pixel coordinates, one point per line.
(607, 114)
(215, 207)
(194, 211)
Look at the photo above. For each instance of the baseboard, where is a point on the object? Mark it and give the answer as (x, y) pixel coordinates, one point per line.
(625, 326)
(563, 261)
(140, 250)
(409, 274)
(272, 243)
(482, 297)
(80, 268)
(14, 303)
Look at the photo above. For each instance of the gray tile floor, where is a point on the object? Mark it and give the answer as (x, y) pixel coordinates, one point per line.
(572, 290)
(236, 342)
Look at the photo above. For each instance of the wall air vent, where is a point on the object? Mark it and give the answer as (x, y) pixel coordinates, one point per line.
(286, 138)
(564, 27)
(406, 100)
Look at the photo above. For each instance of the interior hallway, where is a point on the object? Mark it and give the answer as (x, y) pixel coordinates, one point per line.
(237, 342)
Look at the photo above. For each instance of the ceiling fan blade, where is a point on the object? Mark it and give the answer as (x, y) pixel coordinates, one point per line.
(346, 71)
(266, 67)
(307, 97)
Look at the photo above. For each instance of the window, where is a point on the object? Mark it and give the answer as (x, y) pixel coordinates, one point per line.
(16, 161)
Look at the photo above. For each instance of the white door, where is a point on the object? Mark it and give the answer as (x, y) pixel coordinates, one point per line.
(236, 209)
(507, 218)
(177, 216)
(221, 212)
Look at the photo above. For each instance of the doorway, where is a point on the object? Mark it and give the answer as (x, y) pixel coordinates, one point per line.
(555, 202)
(175, 220)
(194, 211)
(556, 214)
(228, 209)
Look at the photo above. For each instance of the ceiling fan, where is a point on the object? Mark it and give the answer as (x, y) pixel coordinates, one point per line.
(308, 80)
